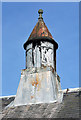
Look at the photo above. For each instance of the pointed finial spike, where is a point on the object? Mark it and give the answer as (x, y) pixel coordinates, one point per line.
(40, 13)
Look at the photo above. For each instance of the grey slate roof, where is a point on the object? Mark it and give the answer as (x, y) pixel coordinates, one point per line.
(69, 108)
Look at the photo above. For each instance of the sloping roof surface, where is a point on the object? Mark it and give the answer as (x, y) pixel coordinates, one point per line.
(69, 108)
(40, 30)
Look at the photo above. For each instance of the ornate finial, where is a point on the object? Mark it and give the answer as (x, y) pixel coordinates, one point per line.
(40, 13)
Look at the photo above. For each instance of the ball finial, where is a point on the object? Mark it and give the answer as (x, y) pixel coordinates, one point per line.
(40, 13)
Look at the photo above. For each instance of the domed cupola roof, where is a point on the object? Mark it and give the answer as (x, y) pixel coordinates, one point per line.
(40, 32)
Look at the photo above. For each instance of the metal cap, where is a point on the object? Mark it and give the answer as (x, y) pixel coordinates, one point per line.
(40, 13)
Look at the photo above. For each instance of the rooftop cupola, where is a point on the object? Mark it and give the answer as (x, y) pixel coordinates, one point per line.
(39, 81)
(40, 31)
(40, 46)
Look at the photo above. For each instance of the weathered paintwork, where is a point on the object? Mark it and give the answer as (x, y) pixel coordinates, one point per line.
(40, 30)
(39, 55)
(41, 86)
(39, 81)
(40, 33)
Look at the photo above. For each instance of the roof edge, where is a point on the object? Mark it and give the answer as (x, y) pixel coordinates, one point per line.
(72, 90)
(64, 91)
(38, 39)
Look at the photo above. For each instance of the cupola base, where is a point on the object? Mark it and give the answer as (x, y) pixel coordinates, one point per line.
(38, 85)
